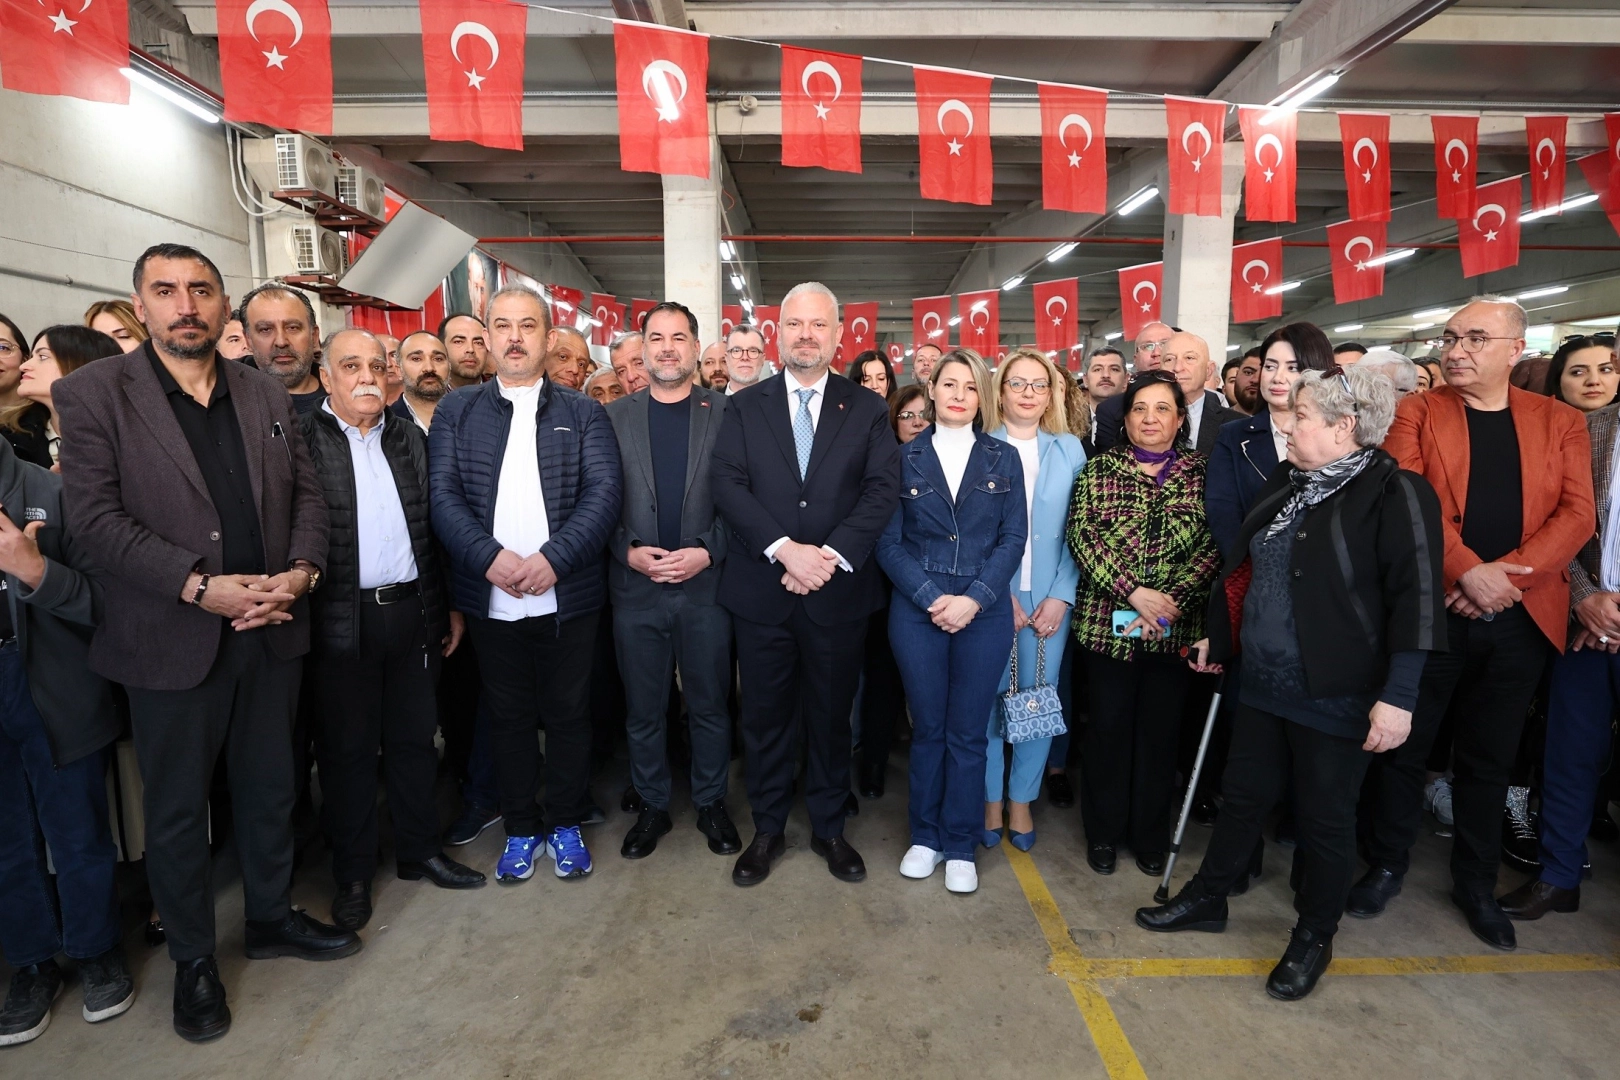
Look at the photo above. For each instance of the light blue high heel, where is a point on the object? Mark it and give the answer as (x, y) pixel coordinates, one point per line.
(1023, 841)
(989, 839)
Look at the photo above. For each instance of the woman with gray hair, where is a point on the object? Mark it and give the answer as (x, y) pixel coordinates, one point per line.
(1349, 537)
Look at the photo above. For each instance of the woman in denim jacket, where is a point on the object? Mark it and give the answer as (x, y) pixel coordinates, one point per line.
(951, 549)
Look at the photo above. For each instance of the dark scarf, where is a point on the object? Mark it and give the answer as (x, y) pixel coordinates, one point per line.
(1150, 457)
(1312, 487)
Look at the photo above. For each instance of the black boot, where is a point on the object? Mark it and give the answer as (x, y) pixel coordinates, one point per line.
(1191, 909)
(1307, 956)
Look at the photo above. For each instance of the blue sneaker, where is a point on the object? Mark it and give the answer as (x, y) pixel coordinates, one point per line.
(565, 845)
(517, 861)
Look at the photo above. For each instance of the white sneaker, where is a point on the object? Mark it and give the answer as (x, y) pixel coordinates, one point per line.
(919, 862)
(961, 876)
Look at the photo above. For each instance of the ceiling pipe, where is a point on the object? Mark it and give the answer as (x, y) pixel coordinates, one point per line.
(857, 238)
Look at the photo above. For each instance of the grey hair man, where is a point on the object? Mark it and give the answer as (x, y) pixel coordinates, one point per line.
(1400, 371)
(745, 358)
(628, 357)
(279, 322)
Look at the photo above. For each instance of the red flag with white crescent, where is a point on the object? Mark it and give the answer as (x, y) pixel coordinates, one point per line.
(1611, 127)
(275, 61)
(1354, 248)
(1489, 240)
(767, 320)
(1456, 164)
(76, 52)
(1074, 159)
(565, 304)
(730, 318)
(860, 328)
(953, 136)
(1270, 163)
(821, 109)
(472, 51)
(930, 321)
(663, 87)
(1545, 136)
(609, 316)
(980, 328)
(1197, 133)
(1366, 164)
(1057, 309)
(1139, 299)
(638, 312)
(1257, 270)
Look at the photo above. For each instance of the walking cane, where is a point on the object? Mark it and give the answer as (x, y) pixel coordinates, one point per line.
(1163, 893)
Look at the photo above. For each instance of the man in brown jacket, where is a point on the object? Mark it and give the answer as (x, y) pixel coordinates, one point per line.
(186, 481)
(1514, 476)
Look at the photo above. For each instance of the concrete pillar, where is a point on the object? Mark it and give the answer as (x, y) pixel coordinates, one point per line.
(692, 265)
(1198, 262)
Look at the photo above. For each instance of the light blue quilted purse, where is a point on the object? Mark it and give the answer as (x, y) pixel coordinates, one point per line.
(1035, 713)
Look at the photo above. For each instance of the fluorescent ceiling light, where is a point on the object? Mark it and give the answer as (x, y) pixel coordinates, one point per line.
(737, 282)
(1392, 256)
(726, 250)
(1231, 348)
(1430, 313)
(1286, 286)
(1536, 294)
(169, 94)
(1012, 282)
(955, 319)
(1299, 97)
(1139, 200)
(1423, 326)
(1609, 321)
(1349, 329)
(1117, 334)
(747, 303)
(1567, 204)
(1062, 251)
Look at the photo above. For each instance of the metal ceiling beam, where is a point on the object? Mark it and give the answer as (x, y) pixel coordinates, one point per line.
(792, 20)
(1507, 26)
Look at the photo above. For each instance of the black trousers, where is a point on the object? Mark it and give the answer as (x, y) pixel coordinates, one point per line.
(1128, 757)
(538, 671)
(883, 697)
(1487, 678)
(244, 707)
(457, 699)
(381, 699)
(1327, 771)
(798, 680)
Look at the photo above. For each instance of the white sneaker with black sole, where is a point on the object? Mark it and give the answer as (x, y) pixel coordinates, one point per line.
(27, 1011)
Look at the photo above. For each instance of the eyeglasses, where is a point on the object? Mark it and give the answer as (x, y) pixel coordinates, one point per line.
(8, 350)
(1158, 375)
(752, 354)
(1018, 386)
(1335, 371)
(1152, 346)
(910, 414)
(1471, 342)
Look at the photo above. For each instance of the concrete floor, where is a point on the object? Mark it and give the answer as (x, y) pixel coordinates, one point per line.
(661, 968)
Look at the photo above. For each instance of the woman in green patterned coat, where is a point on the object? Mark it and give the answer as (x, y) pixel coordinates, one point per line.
(1138, 533)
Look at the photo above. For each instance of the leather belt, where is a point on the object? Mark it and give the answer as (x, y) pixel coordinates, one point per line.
(391, 594)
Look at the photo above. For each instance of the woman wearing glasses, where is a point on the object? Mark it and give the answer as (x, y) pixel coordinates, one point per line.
(908, 412)
(1583, 372)
(23, 422)
(1344, 535)
(1030, 390)
(1138, 532)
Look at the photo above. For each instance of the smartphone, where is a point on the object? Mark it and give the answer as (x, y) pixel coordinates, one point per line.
(1122, 619)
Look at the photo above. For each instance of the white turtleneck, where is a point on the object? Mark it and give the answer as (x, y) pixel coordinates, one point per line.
(954, 446)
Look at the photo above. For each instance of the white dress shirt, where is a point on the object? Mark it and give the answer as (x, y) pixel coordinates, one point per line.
(1195, 417)
(793, 386)
(380, 529)
(1279, 440)
(520, 504)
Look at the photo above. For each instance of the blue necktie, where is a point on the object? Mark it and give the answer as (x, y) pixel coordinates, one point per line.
(804, 431)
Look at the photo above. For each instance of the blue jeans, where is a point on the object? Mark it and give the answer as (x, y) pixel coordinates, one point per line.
(950, 682)
(69, 805)
(1585, 686)
(1029, 758)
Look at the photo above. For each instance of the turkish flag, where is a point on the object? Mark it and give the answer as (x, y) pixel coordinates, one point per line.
(1595, 167)
(609, 315)
(1545, 136)
(565, 304)
(730, 317)
(638, 311)
(275, 61)
(1611, 126)
(472, 51)
(1057, 309)
(1270, 163)
(860, 328)
(1074, 159)
(821, 109)
(1197, 131)
(1366, 164)
(1456, 164)
(930, 321)
(1490, 239)
(897, 353)
(1139, 299)
(1256, 269)
(953, 136)
(1352, 247)
(980, 329)
(663, 78)
(69, 53)
(768, 317)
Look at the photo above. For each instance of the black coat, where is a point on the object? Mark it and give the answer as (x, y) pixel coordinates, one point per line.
(1366, 577)
(30, 439)
(335, 606)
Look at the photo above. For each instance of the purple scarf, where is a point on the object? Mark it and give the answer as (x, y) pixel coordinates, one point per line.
(1149, 457)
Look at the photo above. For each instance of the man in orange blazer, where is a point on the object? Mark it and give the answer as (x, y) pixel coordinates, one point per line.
(1514, 474)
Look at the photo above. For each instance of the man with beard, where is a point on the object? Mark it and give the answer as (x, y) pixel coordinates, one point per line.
(187, 481)
(923, 360)
(1240, 382)
(280, 325)
(807, 474)
(465, 341)
(712, 374)
(604, 386)
(629, 362)
(424, 365)
(568, 357)
(745, 358)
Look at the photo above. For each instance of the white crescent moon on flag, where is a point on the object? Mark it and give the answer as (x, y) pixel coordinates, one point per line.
(259, 7)
(1050, 300)
(478, 30)
(930, 315)
(767, 329)
(1251, 264)
(1196, 128)
(860, 321)
(1460, 145)
(826, 69)
(1356, 241)
(1501, 214)
(953, 105)
(1153, 290)
(1074, 120)
(1355, 151)
(668, 67)
(979, 309)
(1268, 140)
(1551, 146)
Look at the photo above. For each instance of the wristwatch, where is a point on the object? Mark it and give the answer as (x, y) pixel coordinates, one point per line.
(312, 570)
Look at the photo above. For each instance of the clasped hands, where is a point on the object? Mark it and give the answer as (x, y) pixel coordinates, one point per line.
(1486, 589)
(806, 568)
(517, 576)
(1599, 616)
(249, 600)
(669, 567)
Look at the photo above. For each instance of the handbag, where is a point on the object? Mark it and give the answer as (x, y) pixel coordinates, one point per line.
(1035, 713)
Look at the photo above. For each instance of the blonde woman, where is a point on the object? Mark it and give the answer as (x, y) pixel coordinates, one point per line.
(116, 319)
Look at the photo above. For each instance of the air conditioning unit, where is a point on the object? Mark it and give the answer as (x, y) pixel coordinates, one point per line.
(299, 246)
(360, 189)
(290, 163)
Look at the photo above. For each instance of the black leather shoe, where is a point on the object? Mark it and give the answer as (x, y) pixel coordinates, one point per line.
(754, 865)
(443, 871)
(1059, 791)
(642, 839)
(1534, 899)
(1307, 956)
(351, 907)
(1151, 863)
(1204, 812)
(852, 806)
(1486, 918)
(1102, 857)
(872, 778)
(301, 936)
(843, 861)
(630, 802)
(1190, 909)
(1373, 892)
(714, 822)
(200, 1013)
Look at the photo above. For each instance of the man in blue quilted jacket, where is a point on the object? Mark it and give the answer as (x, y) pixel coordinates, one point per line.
(526, 486)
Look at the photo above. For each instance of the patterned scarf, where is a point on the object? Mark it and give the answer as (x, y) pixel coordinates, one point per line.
(1312, 487)
(1155, 457)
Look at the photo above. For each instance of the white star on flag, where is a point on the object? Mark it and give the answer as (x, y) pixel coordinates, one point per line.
(1269, 175)
(1147, 307)
(1058, 321)
(1490, 235)
(275, 59)
(1366, 177)
(1074, 160)
(1360, 266)
(1197, 162)
(1254, 286)
(61, 24)
(475, 80)
(1456, 177)
(956, 147)
(821, 111)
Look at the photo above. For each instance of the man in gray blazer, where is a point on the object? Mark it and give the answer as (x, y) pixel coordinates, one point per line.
(662, 579)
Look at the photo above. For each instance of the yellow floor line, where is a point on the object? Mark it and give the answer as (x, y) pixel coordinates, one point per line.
(1117, 1056)
(1088, 970)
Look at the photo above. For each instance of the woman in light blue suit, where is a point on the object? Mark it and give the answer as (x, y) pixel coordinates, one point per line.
(1029, 394)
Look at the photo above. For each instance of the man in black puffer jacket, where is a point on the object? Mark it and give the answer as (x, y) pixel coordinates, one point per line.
(380, 627)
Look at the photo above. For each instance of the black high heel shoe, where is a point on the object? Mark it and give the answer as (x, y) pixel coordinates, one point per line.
(154, 933)
(1256, 865)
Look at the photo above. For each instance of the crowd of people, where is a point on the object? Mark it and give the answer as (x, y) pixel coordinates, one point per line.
(258, 557)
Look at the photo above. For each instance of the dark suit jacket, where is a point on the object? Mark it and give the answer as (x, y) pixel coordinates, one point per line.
(849, 493)
(138, 503)
(1243, 460)
(1111, 422)
(638, 519)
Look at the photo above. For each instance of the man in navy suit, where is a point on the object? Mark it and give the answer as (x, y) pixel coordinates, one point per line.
(806, 474)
